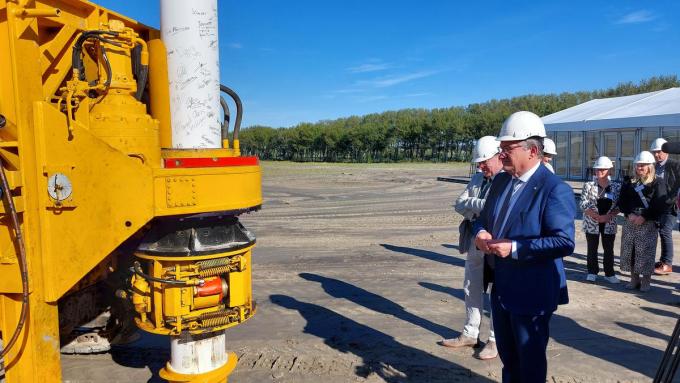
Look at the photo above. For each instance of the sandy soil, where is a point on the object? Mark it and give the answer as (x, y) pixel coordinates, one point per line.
(357, 276)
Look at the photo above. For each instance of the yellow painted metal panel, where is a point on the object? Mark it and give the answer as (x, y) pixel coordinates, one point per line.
(9, 284)
(214, 189)
(240, 288)
(38, 359)
(159, 90)
(35, 358)
(55, 60)
(112, 199)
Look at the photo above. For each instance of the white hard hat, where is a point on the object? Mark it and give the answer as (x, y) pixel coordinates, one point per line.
(485, 148)
(644, 157)
(549, 147)
(603, 163)
(520, 126)
(656, 144)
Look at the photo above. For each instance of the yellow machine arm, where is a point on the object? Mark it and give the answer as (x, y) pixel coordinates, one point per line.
(92, 189)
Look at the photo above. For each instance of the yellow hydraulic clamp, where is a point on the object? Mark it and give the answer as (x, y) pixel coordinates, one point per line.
(97, 203)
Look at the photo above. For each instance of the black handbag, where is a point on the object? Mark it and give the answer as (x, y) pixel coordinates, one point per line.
(464, 236)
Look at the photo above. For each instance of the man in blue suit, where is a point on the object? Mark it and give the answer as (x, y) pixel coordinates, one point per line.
(525, 228)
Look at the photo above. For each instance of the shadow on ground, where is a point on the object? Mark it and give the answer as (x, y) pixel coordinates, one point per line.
(626, 353)
(643, 331)
(426, 254)
(138, 356)
(381, 354)
(375, 302)
(661, 292)
(457, 293)
(661, 312)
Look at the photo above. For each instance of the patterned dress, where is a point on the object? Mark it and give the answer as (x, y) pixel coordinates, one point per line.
(638, 242)
(589, 196)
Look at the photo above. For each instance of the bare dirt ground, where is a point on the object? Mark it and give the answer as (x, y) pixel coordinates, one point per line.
(357, 276)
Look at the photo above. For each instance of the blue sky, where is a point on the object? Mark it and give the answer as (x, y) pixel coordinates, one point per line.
(310, 60)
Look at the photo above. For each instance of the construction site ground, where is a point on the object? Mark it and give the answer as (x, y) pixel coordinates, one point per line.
(357, 275)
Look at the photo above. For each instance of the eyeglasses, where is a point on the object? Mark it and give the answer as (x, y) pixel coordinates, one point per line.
(510, 148)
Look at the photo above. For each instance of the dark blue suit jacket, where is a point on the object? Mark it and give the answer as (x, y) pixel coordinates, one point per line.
(542, 223)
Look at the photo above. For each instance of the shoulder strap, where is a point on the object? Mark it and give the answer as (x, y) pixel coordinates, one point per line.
(639, 188)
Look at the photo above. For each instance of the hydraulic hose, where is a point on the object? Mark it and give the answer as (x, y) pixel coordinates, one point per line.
(142, 78)
(140, 70)
(137, 269)
(108, 67)
(9, 204)
(77, 61)
(239, 108)
(225, 123)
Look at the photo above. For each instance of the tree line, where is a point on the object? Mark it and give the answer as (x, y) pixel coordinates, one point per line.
(438, 135)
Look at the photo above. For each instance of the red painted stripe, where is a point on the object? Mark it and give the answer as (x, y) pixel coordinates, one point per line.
(210, 162)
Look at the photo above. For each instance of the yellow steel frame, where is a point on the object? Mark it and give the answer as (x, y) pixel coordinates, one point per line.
(114, 195)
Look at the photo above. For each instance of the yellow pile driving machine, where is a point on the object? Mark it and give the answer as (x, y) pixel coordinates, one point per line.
(104, 207)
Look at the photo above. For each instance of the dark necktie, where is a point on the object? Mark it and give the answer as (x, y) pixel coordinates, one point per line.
(504, 210)
(490, 258)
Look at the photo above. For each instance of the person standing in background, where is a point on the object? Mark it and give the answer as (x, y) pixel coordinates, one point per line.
(643, 200)
(549, 151)
(598, 202)
(469, 205)
(669, 170)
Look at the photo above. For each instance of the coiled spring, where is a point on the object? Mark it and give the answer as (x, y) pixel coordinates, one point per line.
(205, 273)
(210, 263)
(218, 318)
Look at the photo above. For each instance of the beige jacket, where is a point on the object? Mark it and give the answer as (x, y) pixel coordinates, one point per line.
(468, 205)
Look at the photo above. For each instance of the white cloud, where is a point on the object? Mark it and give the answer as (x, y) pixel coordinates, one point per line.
(637, 17)
(349, 90)
(235, 45)
(371, 98)
(387, 81)
(372, 64)
(417, 94)
(369, 67)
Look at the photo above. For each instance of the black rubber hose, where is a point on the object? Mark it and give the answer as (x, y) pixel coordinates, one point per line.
(141, 71)
(76, 60)
(225, 123)
(137, 269)
(239, 109)
(109, 73)
(142, 78)
(9, 206)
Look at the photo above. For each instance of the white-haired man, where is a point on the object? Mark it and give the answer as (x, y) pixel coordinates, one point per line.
(469, 205)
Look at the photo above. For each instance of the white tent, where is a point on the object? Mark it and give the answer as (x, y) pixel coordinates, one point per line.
(654, 109)
(617, 127)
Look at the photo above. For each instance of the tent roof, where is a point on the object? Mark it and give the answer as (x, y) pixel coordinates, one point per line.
(654, 109)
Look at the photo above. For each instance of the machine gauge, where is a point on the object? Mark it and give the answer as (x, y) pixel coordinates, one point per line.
(59, 187)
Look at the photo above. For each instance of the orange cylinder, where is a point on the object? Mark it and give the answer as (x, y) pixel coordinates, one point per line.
(212, 286)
